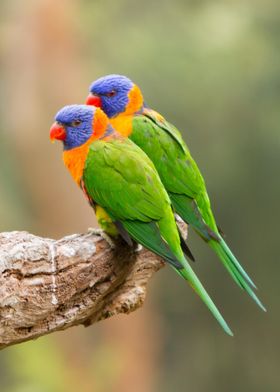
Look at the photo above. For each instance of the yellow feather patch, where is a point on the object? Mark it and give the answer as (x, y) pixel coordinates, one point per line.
(105, 222)
(135, 100)
(123, 122)
(100, 123)
(158, 116)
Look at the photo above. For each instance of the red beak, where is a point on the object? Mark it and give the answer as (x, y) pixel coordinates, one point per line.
(93, 100)
(57, 132)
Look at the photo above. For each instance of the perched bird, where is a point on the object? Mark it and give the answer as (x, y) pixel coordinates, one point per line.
(117, 175)
(123, 103)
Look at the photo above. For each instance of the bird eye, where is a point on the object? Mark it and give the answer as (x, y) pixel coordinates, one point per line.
(111, 94)
(75, 123)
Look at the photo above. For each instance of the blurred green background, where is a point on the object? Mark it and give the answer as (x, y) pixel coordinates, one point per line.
(213, 69)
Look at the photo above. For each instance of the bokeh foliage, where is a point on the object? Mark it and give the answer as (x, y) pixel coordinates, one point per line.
(212, 68)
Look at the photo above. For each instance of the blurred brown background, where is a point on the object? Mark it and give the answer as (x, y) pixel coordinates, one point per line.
(212, 68)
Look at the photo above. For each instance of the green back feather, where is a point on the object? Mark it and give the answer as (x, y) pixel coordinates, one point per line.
(182, 179)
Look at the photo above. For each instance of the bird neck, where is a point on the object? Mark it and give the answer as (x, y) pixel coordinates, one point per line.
(122, 123)
(135, 101)
(75, 158)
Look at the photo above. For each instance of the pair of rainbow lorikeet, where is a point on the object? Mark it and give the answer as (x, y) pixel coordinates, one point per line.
(136, 171)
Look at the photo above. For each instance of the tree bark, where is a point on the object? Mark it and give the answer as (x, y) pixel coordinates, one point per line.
(48, 285)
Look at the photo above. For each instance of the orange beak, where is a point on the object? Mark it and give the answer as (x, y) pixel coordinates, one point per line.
(57, 132)
(94, 100)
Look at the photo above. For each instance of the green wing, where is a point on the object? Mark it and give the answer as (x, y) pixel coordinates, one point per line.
(181, 177)
(122, 179)
(164, 145)
(166, 148)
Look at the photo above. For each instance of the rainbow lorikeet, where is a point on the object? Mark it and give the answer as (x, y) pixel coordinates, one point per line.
(117, 175)
(123, 103)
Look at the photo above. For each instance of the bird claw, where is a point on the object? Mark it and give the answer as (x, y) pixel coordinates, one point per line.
(138, 248)
(182, 226)
(101, 233)
(178, 218)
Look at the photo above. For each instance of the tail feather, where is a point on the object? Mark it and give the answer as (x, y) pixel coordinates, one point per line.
(238, 275)
(149, 235)
(236, 263)
(190, 213)
(188, 274)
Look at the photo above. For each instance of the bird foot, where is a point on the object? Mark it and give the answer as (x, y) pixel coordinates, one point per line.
(101, 233)
(178, 218)
(182, 226)
(138, 248)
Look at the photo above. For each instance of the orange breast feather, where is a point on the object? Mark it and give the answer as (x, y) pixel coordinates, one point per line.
(75, 159)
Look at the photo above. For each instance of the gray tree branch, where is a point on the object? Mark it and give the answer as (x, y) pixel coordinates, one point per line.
(48, 285)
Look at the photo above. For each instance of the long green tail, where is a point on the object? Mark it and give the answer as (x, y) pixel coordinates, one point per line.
(229, 262)
(189, 212)
(149, 235)
(188, 274)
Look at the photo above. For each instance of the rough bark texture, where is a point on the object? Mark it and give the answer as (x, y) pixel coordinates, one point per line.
(48, 285)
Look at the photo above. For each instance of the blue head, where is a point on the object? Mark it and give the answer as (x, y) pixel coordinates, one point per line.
(112, 93)
(75, 124)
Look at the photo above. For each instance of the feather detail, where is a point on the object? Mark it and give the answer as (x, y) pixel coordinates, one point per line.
(100, 124)
(123, 122)
(135, 100)
(74, 159)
